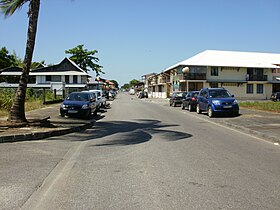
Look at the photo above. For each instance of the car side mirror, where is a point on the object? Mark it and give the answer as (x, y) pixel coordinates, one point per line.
(232, 96)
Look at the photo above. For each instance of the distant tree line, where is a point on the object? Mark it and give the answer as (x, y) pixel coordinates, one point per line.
(131, 84)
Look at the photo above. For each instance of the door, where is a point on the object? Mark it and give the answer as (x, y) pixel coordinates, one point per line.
(195, 86)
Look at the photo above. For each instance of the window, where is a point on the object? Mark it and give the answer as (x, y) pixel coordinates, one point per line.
(204, 93)
(75, 79)
(160, 88)
(48, 78)
(214, 85)
(67, 79)
(84, 79)
(53, 78)
(32, 79)
(56, 78)
(260, 88)
(214, 71)
(250, 89)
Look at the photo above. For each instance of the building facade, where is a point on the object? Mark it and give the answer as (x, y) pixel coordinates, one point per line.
(65, 75)
(247, 75)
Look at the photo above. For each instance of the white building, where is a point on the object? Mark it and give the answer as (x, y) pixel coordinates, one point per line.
(247, 75)
(67, 74)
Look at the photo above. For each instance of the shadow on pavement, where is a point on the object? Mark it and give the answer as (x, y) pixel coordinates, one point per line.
(223, 115)
(129, 132)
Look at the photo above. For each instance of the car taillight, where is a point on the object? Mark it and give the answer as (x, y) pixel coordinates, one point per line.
(193, 99)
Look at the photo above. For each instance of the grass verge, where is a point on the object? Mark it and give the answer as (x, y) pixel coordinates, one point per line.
(262, 105)
(29, 105)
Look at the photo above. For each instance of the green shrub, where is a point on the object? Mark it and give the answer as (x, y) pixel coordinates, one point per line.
(30, 94)
(6, 98)
(49, 95)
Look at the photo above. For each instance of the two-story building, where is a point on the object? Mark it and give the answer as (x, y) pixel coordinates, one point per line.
(247, 75)
(65, 75)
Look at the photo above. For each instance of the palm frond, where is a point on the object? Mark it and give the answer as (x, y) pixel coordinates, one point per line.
(8, 7)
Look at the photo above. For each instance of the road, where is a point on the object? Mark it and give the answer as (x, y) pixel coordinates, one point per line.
(142, 155)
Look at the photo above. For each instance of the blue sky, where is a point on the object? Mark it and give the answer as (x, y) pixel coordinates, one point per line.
(135, 37)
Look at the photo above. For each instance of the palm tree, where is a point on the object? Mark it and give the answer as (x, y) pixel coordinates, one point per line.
(8, 7)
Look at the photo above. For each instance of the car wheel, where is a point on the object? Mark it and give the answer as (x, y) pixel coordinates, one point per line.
(62, 114)
(236, 114)
(198, 111)
(183, 107)
(174, 104)
(190, 108)
(210, 112)
(88, 115)
(170, 104)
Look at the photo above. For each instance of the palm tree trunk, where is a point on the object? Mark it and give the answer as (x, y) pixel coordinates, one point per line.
(17, 112)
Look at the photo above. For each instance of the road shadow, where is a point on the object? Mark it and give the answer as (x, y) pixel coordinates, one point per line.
(223, 115)
(130, 132)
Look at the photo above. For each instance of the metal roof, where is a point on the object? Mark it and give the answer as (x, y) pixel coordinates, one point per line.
(231, 59)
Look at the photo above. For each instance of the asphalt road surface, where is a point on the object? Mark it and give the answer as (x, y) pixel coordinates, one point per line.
(142, 155)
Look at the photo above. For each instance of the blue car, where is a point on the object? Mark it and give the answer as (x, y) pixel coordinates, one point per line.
(216, 101)
(81, 104)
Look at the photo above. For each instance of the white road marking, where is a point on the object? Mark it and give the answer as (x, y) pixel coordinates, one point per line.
(46, 192)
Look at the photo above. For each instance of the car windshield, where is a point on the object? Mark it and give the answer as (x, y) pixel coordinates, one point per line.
(194, 94)
(178, 94)
(78, 97)
(219, 94)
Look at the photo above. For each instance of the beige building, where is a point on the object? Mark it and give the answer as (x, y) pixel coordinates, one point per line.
(247, 75)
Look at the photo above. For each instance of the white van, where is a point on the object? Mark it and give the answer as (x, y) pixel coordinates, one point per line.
(131, 91)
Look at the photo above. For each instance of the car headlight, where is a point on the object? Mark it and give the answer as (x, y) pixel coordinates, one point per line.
(62, 106)
(235, 102)
(216, 102)
(85, 106)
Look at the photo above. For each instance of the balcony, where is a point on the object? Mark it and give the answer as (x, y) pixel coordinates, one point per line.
(251, 77)
(195, 76)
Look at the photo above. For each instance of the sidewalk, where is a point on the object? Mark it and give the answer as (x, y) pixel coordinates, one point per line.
(59, 126)
(262, 124)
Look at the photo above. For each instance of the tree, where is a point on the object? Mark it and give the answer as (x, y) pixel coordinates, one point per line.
(8, 7)
(134, 82)
(35, 64)
(84, 59)
(116, 84)
(6, 59)
(125, 86)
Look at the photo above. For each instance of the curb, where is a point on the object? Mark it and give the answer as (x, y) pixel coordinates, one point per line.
(254, 133)
(43, 135)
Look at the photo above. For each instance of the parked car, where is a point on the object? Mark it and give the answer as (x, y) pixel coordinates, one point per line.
(216, 100)
(176, 98)
(99, 98)
(190, 100)
(275, 96)
(142, 94)
(79, 104)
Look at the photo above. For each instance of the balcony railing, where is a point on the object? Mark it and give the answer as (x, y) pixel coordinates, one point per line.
(251, 77)
(180, 77)
(164, 80)
(195, 76)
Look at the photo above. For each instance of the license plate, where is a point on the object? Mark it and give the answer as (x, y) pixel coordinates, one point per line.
(227, 107)
(72, 111)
